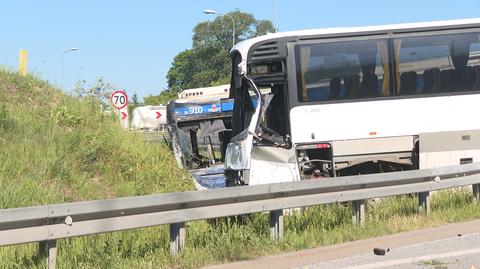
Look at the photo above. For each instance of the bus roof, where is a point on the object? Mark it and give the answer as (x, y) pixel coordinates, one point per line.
(210, 88)
(244, 46)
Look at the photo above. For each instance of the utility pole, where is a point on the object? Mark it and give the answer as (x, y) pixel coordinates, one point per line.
(276, 16)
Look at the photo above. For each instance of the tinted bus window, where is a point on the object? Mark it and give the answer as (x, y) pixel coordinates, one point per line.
(436, 64)
(342, 70)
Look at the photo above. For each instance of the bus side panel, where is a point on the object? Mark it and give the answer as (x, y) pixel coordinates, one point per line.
(384, 118)
(449, 148)
(372, 146)
(393, 149)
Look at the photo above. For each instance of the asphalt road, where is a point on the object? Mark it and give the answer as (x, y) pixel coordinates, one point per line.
(449, 246)
(457, 252)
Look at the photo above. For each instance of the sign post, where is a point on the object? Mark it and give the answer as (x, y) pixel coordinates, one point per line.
(158, 115)
(119, 101)
(22, 63)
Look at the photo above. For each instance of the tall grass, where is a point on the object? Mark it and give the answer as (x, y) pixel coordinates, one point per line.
(56, 148)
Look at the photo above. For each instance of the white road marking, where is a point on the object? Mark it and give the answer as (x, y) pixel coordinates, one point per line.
(416, 259)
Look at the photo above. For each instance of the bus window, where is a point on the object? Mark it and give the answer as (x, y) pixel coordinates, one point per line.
(439, 63)
(473, 66)
(274, 118)
(342, 70)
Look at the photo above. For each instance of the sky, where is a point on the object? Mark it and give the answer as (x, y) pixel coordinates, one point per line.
(132, 43)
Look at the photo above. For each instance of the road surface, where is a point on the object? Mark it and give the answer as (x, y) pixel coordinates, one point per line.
(456, 252)
(450, 246)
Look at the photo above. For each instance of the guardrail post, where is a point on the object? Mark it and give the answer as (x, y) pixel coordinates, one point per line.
(476, 192)
(177, 237)
(48, 250)
(276, 224)
(358, 215)
(424, 202)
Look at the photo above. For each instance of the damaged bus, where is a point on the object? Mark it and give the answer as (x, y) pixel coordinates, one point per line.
(198, 123)
(349, 101)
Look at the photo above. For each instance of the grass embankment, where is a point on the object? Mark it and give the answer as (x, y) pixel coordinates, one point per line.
(56, 148)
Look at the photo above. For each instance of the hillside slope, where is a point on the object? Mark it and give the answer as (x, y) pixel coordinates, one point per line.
(57, 148)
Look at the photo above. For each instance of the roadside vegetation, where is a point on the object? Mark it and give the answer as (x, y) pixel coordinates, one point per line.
(56, 148)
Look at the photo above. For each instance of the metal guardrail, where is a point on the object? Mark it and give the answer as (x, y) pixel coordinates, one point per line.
(46, 224)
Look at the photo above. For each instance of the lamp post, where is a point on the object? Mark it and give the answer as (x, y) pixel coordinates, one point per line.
(210, 11)
(276, 16)
(63, 56)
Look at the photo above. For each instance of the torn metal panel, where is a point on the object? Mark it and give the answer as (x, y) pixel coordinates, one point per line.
(272, 165)
(179, 145)
(208, 128)
(238, 155)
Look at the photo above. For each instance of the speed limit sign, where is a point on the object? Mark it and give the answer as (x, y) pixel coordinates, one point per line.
(119, 99)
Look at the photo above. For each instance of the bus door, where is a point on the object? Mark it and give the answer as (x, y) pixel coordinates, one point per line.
(262, 153)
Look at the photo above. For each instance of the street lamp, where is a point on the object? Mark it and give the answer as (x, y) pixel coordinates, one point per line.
(276, 15)
(210, 11)
(63, 56)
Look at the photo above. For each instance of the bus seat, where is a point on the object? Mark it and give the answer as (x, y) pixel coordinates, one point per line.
(437, 81)
(369, 85)
(447, 78)
(461, 79)
(427, 81)
(335, 87)
(471, 78)
(408, 83)
(476, 85)
(431, 80)
(352, 85)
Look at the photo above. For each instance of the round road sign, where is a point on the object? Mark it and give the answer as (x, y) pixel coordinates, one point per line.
(119, 99)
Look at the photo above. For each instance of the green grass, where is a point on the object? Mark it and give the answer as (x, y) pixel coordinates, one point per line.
(56, 148)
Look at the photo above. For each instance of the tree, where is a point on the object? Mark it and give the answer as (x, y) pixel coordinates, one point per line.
(264, 27)
(133, 104)
(100, 90)
(163, 98)
(207, 63)
(182, 69)
(135, 99)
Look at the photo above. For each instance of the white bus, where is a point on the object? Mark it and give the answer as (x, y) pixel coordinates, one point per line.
(214, 92)
(348, 101)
